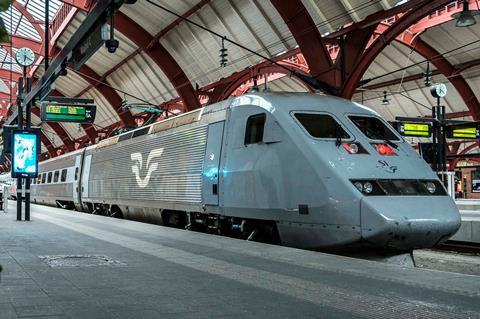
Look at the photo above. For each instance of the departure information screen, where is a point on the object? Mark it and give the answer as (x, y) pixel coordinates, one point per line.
(414, 129)
(472, 132)
(56, 112)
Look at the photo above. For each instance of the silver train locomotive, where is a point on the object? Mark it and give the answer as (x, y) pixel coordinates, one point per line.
(310, 170)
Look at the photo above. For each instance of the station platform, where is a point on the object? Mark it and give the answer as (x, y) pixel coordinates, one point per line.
(469, 231)
(66, 264)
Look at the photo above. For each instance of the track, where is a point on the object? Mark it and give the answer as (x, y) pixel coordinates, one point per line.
(460, 247)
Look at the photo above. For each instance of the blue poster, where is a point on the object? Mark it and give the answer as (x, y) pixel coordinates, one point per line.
(25, 161)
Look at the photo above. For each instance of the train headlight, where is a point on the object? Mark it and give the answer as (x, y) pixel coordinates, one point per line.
(359, 186)
(367, 187)
(431, 188)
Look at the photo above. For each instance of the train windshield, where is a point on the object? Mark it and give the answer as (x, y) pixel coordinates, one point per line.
(321, 125)
(373, 128)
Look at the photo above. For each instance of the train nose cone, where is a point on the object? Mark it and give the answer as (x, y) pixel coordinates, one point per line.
(408, 222)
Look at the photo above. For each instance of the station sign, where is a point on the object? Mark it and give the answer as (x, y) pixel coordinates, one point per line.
(67, 112)
(463, 131)
(25, 149)
(414, 129)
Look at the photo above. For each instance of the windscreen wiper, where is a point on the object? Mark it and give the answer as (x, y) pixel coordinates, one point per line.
(390, 143)
(338, 136)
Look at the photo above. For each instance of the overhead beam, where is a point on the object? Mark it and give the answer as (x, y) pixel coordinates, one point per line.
(19, 41)
(97, 15)
(23, 10)
(110, 94)
(59, 130)
(308, 38)
(377, 46)
(84, 5)
(449, 71)
(374, 19)
(157, 52)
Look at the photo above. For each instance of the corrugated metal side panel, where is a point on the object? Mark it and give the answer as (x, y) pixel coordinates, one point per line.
(57, 163)
(177, 177)
(53, 191)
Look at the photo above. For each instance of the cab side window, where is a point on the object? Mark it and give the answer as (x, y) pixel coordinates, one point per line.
(254, 129)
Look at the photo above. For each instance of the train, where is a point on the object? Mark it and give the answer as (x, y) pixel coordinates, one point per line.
(305, 170)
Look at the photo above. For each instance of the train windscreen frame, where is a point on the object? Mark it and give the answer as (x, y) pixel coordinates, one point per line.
(320, 125)
(373, 128)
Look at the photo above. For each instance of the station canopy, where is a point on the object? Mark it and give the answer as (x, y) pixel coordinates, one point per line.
(173, 65)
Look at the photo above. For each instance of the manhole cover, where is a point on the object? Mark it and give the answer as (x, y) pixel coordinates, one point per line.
(79, 261)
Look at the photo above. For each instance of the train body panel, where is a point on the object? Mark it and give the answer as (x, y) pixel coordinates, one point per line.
(272, 157)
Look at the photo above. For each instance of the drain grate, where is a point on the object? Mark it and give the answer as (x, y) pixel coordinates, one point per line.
(79, 261)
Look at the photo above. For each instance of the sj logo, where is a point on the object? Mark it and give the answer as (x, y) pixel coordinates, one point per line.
(387, 167)
(150, 167)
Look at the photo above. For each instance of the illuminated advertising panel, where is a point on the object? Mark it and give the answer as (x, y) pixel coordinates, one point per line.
(24, 153)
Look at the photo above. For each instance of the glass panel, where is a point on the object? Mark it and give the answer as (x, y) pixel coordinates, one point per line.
(254, 130)
(64, 175)
(373, 128)
(321, 125)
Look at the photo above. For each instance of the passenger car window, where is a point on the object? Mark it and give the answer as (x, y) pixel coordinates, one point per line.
(321, 125)
(76, 173)
(63, 178)
(373, 128)
(44, 175)
(49, 178)
(254, 129)
(55, 176)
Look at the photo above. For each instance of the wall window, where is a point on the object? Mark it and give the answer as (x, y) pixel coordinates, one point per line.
(63, 178)
(55, 176)
(254, 129)
(49, 178)
(321, 125)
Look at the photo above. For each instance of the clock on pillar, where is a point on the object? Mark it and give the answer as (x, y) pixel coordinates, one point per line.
(25, 57)
(439, 90)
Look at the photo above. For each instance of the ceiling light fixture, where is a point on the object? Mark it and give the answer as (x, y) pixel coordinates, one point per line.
(466, 17)
(385, 100)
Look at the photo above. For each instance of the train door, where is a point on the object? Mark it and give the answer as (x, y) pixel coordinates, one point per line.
(85, 174)
(76, 177)
(211, 164)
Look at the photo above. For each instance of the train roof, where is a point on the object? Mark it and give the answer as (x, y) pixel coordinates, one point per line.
(292, 101)
(270, 101)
